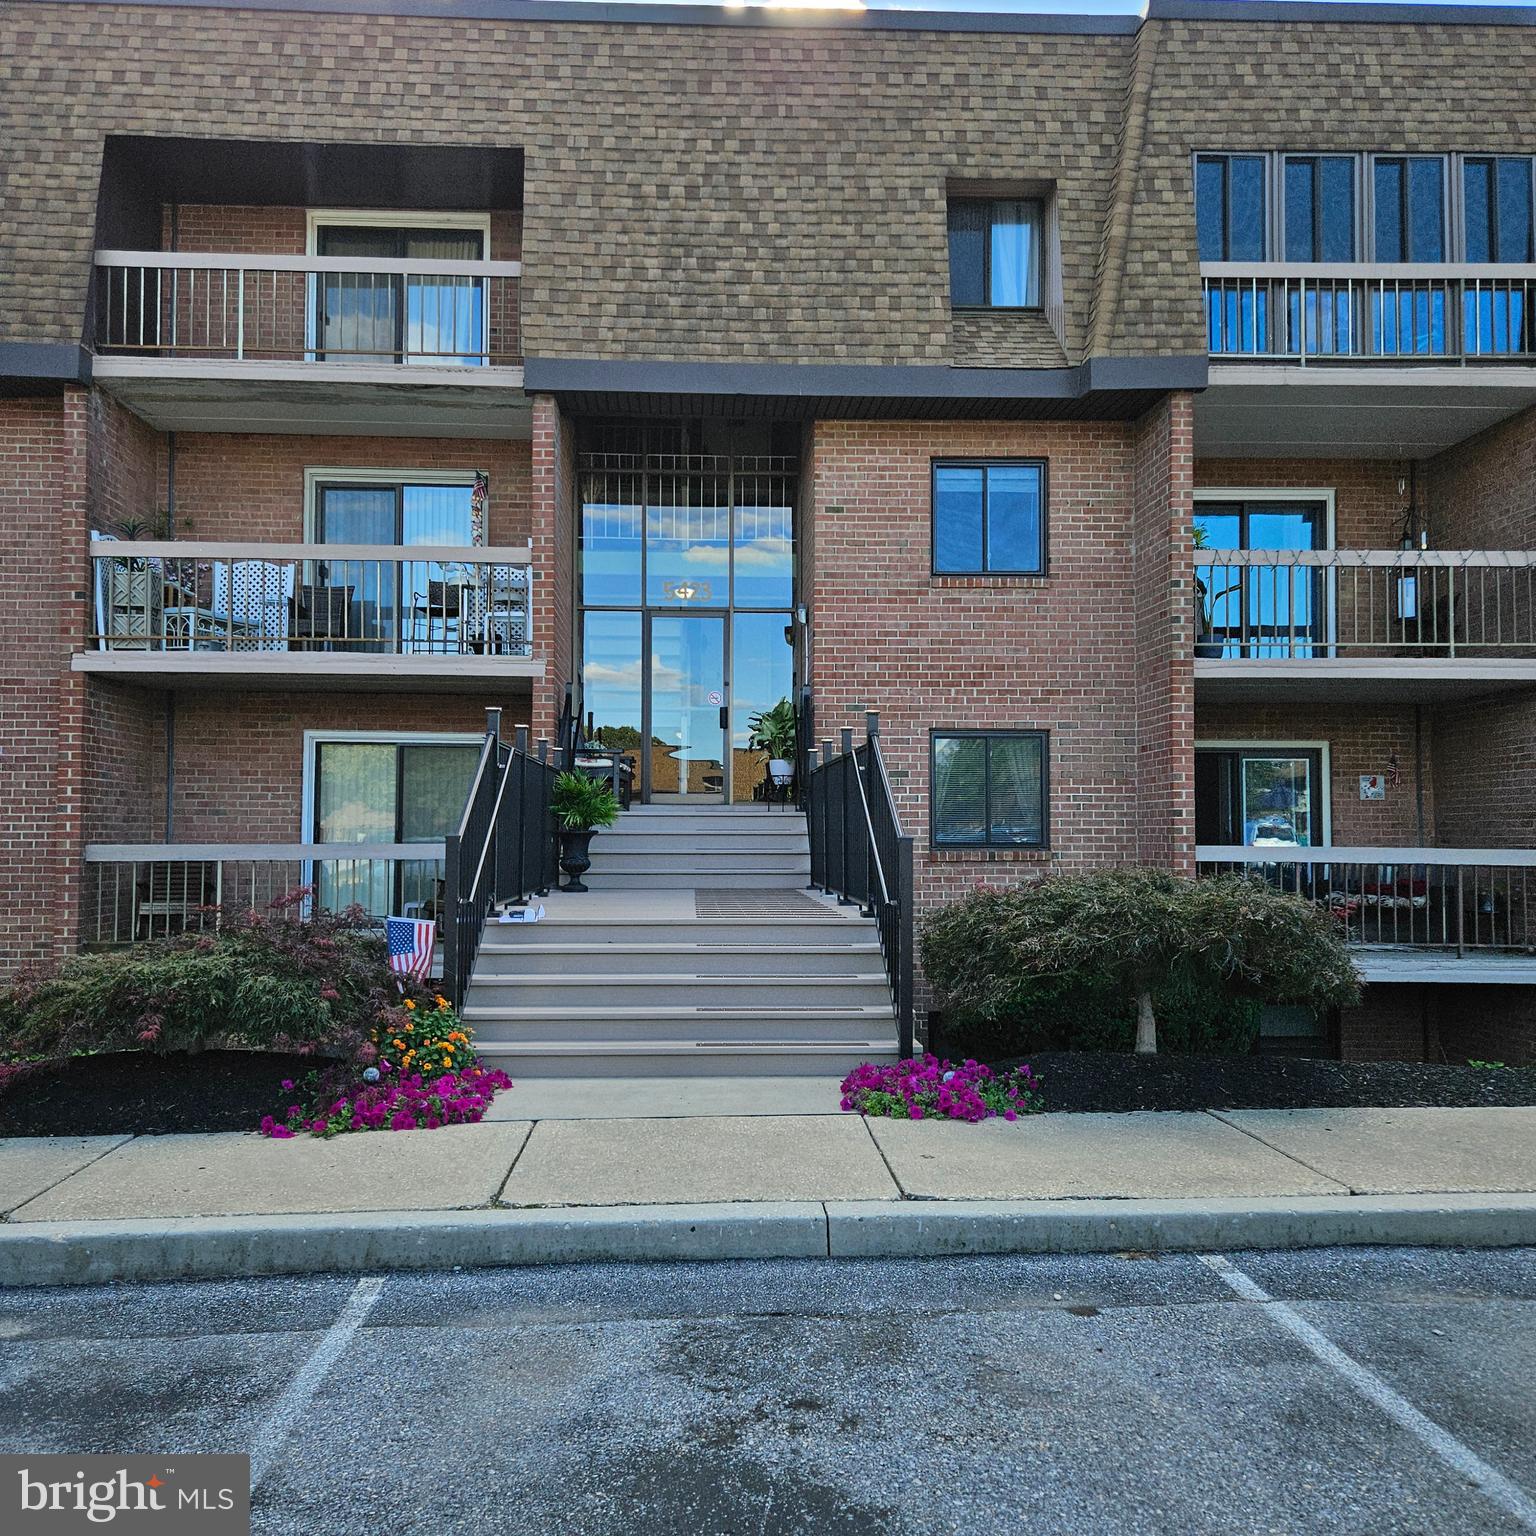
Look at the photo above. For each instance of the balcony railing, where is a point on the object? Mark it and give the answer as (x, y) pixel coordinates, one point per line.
(348, 598)
(1435, 898)
(317, 309)
(139, 891)
(1362, 603)
(1355, 312)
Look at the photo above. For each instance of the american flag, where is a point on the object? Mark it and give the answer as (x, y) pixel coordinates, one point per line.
(410, 945)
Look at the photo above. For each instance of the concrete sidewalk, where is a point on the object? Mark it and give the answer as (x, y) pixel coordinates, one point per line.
(722, 1186)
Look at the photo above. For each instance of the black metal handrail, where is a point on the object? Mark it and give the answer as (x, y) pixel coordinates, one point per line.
(506, 847)
(859, 852)
(805, 744)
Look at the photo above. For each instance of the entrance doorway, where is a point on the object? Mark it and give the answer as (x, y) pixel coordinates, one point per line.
(687, 592)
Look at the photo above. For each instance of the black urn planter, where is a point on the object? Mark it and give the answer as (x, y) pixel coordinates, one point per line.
(1207, 649)
(576, 856)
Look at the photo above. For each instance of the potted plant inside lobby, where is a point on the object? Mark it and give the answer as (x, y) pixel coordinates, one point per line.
(581, 806)
(773, 732)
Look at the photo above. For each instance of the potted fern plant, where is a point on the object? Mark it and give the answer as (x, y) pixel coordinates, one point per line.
(773, 732)
(581, 806)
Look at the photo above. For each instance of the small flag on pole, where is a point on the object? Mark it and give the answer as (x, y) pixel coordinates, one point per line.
(410, 945)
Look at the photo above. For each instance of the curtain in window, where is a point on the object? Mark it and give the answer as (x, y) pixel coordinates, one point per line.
(355, 803)
(444, 316)
(1014, 232)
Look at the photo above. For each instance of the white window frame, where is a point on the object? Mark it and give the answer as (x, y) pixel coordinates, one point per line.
(316, 475)
(314, 739)
(392, 218)
(1324, 790)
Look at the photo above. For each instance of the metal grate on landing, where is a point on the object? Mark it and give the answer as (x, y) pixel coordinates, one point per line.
(710, 904)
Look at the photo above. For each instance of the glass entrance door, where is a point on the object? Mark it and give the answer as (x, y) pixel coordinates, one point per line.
(687, 707)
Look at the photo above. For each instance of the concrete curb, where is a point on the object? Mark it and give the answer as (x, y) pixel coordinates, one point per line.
(205, 1248)
(924, 1228)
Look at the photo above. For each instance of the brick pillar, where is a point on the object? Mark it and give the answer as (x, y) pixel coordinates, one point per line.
(553, 536)
(1162, 522)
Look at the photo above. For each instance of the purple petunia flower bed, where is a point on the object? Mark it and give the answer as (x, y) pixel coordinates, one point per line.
(395, 1101)
(926, 1088)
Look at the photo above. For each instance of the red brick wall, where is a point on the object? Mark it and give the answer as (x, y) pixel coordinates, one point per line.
(1058, 653)
(1368, 508)
(239, 759)
(1482, 493)
(1362, 739)
(1486, 1024)
(44, 464)
(124, 785)
(123, 480)
(239, 487)
(1389, 1025)
(1165, 699)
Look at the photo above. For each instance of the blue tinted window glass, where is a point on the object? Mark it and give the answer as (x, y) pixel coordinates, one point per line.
(1389, 210)
(1477, 190)
(1013, 517)
(968, 233)
(1337, 199)
(1300, 236)
(1514, 210)
(1426, 205)
(1210, 207)
(1247, 239)
(957, 495)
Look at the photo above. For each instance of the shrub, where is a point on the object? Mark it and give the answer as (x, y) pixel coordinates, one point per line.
(270, 980)
(1123, 934)
(926, 1088)
(1196, 1016)
(412, 1038)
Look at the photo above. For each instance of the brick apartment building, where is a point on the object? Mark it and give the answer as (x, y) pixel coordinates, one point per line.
(1140, 414)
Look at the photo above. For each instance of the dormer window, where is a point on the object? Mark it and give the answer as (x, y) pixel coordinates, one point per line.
(994, 253)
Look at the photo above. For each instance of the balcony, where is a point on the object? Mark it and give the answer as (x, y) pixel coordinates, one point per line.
(1419, 915)
(208, 342)
(1353, 312)
(134, 892)
(185, 614)
(1337, 624)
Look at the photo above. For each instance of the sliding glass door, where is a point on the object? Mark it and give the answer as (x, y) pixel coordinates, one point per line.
(1258, 797)
(387, 792)
(364, 604)
(1275, 609)
(367, 316)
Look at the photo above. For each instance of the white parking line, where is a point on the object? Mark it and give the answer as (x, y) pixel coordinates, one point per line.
(296, 1398)
(1488, 1480)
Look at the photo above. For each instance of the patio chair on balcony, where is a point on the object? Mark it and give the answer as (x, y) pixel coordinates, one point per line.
(174, 896)
(320, 617)
(250, 603)
(443, 616)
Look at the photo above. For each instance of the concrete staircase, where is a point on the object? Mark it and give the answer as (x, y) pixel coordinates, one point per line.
(644, 976)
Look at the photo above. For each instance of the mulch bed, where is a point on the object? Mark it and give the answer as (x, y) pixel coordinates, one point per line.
(1080, 1081)
(131, 1091)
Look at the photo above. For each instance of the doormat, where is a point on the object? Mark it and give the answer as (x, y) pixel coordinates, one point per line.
(716, 904)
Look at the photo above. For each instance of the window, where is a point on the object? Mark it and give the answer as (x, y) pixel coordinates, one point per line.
(1263, 796)
(1229, 207)
(1496, 192)
(994, 253)
(1319, 208)
(1409, 195)
(989, 518)
(989, 789)
(381, 791)
(364, 315)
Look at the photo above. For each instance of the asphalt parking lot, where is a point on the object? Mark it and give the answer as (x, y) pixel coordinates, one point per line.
(1367, 1391)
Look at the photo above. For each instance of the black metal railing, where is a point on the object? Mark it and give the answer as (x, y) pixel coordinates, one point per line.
(805, 744)
(506, 847)
(859, 852)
